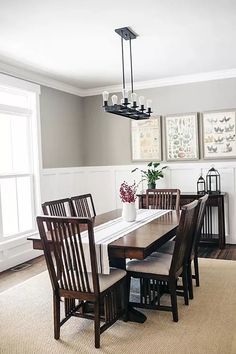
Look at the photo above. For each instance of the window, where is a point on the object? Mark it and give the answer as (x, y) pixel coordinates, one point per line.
(19, 162)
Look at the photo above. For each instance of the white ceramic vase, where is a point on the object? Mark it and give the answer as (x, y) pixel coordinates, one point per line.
(129, 212)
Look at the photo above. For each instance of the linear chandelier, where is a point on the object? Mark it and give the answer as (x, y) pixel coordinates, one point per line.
(126, 108)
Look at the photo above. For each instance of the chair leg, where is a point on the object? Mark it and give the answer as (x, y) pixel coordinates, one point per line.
(185, 286)
(97, 324)
(190, 281)
(56, 314)
(173, 295)
(196, 271)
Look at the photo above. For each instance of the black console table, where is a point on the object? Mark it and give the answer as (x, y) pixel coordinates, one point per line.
(214, 201)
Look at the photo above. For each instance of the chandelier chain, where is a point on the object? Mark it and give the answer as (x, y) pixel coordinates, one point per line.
(131, 67)
(123, 62)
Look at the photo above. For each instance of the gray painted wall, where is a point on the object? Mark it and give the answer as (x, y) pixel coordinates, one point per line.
(61, 129)
(108, 136)
(77, 132)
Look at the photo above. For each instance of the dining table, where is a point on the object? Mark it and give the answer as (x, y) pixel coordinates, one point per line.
(136, 244)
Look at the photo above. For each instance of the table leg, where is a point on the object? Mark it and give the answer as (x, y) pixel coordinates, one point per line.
(117, 263)
(221, 223)
(133, 314)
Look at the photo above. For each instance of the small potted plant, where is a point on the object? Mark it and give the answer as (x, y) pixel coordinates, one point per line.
(152, 174)
(128, 197)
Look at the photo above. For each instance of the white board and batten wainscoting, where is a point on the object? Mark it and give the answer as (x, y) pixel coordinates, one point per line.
(103, 182)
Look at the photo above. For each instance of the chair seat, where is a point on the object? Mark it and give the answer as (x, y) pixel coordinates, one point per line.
(107, 280)
(168, 248)
(160, 264)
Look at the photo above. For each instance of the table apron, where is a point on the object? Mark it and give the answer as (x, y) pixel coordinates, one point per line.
(139, 253)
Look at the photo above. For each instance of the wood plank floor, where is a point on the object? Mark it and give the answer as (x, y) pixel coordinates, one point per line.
(10, 277)
(228, 253)
(37, 265)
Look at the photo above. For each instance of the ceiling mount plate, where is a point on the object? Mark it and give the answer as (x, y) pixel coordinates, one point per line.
(126, 33)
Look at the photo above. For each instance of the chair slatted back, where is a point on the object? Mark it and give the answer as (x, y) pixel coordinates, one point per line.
(60, 207)
(83, 206)
(184, 235)
(200, 220)
(163, 199)
(64, 253)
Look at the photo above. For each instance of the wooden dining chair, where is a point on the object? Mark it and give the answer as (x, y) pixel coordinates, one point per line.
(59, 207)
(193, 255)
(83, 206)
(165, 268)
(163, 199)
(67, 266)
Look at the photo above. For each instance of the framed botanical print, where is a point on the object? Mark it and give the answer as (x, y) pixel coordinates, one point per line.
(181, 137)
(146, 139)
(218, 134)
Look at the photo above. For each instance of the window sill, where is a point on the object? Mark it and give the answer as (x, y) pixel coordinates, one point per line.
(17, 240)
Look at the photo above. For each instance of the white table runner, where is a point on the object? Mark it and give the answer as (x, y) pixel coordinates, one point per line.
(111, 231)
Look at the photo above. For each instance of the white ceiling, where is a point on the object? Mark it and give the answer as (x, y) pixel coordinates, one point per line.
(74, 40)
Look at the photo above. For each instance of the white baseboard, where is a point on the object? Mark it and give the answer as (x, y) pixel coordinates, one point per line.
(18, 259)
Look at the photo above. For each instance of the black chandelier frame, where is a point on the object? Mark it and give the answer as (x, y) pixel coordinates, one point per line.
(125, 109)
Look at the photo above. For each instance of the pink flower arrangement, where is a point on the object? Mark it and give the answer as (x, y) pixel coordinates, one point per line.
(128, 193)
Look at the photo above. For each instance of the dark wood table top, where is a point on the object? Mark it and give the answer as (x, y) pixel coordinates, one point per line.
(138, 243)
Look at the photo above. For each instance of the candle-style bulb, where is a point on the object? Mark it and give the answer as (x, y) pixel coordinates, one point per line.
(141, 100)
(125, 93)
(149, 103)
(105, 96)
(134, 97)
(114, 99)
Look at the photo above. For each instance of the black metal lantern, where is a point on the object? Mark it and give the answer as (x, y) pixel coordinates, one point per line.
(201, 185)
(213, 181)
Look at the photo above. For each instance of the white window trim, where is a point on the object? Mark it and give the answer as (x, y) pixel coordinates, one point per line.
(14, 83)
(37, 152)
(15, 110)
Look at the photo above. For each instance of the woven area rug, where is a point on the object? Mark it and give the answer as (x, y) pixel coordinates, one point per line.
(207, 326)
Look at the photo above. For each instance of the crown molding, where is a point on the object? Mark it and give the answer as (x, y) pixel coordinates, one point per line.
(44, 80)
(40, 79)
(169, 81)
